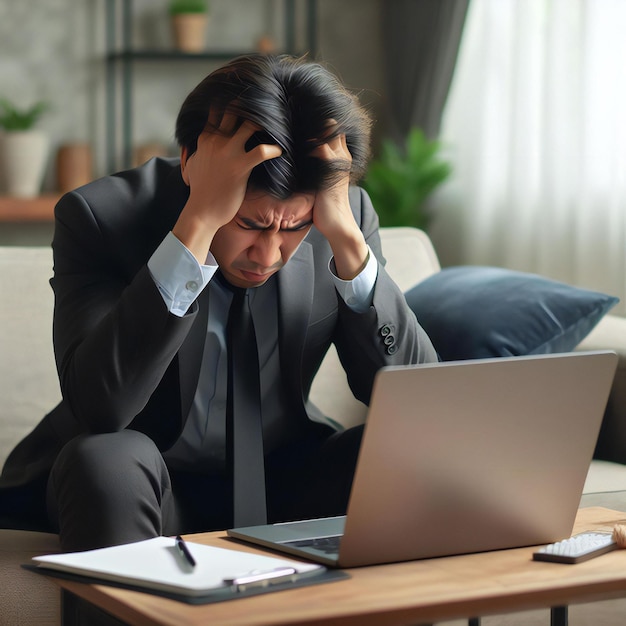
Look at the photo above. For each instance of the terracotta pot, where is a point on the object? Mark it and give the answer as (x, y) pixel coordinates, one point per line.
(24, 155)
(146, 151)
(74, 166)
(189, 31)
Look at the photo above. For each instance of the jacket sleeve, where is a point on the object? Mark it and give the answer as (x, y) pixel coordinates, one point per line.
(113, 336)
(388, 332)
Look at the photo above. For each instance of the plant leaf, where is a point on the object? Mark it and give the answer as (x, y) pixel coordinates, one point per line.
(402, 177)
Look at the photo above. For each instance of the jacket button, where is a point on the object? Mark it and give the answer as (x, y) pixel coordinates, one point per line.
(392, 349)
(385, 330)
(389, 340)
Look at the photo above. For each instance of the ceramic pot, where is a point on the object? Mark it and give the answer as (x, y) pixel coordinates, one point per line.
(189, 31)
(74, 166)
(24, 155)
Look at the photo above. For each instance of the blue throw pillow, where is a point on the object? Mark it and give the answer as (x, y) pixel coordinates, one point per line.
(473, 312)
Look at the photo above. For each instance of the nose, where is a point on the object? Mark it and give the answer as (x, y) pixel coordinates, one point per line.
(266, 250)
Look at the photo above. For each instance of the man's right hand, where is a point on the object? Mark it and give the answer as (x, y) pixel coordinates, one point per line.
(217, 175)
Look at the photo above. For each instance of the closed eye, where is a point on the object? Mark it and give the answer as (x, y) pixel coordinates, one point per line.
(248, 224)
(297, 227)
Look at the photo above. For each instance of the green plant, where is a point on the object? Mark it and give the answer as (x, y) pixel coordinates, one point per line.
(14, 119)
(188, 6)
(402, 178)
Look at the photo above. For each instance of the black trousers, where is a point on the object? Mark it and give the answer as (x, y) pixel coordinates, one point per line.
(114, 488)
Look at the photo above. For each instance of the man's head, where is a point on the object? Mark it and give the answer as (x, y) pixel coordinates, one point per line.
(293, 101)
(299, 106)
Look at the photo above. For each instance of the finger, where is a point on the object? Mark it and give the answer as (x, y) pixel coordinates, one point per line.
(228, 123)
(246, 130)
(330, 130)
(335, 148)
(187, 158)
(344, 146)
(203, 140)
(326, 134)
(264, 146)
(323, 151)
(214, 118)
(263, 152)
(337, 142)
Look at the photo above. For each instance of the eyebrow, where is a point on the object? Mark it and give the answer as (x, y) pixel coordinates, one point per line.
(252, 225)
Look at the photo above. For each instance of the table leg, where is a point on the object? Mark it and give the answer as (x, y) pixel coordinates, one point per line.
(558, 616)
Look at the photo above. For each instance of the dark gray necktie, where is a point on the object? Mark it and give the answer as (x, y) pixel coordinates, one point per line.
(244, 433)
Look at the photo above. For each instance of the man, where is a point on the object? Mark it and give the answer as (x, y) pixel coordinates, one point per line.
(145, 265)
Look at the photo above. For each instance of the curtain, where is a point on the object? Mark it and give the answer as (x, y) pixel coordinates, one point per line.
(535, 127)
(421, 41)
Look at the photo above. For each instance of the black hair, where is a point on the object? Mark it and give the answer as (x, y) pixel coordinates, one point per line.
(292, 100)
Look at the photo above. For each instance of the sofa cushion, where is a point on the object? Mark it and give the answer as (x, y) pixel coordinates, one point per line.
(475, 312)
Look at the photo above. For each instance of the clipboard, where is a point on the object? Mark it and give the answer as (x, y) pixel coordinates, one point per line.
(156, 566)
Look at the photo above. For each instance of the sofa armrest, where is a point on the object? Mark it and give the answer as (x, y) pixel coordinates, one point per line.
(29, 385)
(610, 334)
(409, 254)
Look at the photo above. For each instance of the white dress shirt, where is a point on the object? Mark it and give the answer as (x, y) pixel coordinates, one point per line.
(180, 280)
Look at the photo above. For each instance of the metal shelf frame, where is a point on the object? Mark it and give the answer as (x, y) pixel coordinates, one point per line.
(121, 57)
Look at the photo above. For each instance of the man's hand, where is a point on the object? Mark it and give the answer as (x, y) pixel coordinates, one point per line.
(333, 217)
(217, 175)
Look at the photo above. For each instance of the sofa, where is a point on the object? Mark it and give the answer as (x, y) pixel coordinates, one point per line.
(29, 388)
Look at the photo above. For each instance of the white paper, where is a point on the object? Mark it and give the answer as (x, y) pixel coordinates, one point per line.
(157, 564)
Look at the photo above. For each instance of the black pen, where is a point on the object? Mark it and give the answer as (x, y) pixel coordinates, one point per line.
(184, 550)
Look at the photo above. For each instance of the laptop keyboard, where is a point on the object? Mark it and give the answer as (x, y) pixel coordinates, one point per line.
(327, 545)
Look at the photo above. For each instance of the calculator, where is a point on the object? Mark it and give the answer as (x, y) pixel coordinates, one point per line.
(578, 548)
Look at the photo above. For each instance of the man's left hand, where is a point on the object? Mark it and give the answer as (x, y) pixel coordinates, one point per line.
(333, 217)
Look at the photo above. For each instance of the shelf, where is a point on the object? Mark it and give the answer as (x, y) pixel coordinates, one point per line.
(40, 209)
(123, 58)
(175, 55)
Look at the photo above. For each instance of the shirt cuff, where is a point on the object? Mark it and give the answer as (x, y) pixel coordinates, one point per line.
(178, 275)
(357, 293)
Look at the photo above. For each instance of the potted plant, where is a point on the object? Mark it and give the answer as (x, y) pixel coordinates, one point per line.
(401, 179)
(23, 148)
(189, 20)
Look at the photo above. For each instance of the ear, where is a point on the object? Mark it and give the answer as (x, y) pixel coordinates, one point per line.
(183, 165)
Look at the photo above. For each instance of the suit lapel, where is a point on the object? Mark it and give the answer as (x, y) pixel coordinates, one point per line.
(295, 298)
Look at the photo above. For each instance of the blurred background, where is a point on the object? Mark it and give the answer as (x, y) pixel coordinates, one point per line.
(499, 123)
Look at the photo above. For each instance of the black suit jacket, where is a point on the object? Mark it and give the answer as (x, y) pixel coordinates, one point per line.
(125, 362)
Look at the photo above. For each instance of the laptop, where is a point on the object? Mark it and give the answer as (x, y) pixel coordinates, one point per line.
(462, 457)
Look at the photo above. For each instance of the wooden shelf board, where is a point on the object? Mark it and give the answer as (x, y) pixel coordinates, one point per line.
(39, 209)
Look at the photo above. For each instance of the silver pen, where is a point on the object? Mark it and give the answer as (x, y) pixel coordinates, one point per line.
(261, 578)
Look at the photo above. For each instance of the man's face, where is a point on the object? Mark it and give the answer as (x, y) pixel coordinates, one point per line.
(262, 237)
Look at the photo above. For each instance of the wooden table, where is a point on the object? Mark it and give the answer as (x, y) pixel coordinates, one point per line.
(404, 593)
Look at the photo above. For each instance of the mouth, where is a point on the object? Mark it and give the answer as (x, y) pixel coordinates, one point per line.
(255, 277)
